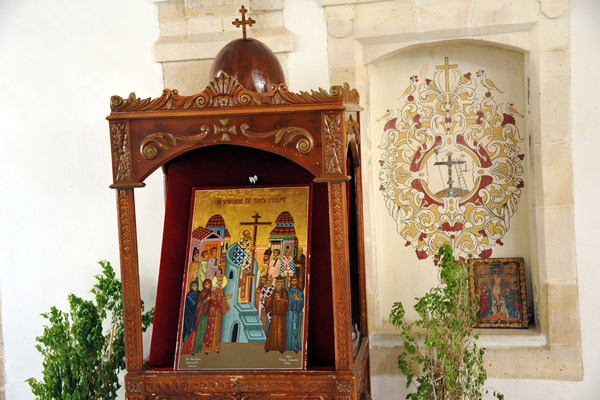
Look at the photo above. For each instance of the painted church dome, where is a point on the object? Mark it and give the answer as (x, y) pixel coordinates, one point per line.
(284, 225)
(216, 221)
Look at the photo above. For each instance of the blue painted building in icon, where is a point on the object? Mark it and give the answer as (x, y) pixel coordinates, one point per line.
(241, 323)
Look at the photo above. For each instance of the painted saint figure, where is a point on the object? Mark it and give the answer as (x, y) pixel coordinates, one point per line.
(509, 299)
(293, 319)
(218, 307)
(247, 266)
(189, 318)
(202, 316)
(484, 305)
(287, 265)
(259, 288)
(192, 274)
(245, 244)
(300, 265)
(202, 267)
(265, 293)
(275, 264)
(277, 304)
(264, 267)
(517, 304)
(213, 264)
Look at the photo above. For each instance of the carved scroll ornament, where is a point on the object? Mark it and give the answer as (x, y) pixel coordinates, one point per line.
(226, 91)
(285, 137)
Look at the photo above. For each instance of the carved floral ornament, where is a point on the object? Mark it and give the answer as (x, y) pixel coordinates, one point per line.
(333, 143)
(134, 387)
(120, 145)
(451, 168)
(226, 91)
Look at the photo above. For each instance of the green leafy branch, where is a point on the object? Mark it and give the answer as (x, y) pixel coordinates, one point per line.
(80, 360)
(444, 362)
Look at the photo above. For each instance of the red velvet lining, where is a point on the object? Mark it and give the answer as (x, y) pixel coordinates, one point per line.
(220, 166)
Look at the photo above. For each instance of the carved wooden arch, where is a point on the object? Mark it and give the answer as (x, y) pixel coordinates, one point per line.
(180, 152)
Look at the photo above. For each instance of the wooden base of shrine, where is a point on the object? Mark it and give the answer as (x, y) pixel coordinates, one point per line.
(254, 385)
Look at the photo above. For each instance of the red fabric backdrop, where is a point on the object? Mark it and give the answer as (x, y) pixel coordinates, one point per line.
(222, 166)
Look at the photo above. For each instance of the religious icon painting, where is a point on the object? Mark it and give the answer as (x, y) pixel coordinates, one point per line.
(244, 302)
(497, 285)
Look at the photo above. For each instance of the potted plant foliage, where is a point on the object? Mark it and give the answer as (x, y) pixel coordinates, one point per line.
(81, 359)
(440, 356)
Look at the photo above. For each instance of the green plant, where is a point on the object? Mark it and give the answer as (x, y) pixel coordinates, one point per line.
(440, 357)
(80, 361)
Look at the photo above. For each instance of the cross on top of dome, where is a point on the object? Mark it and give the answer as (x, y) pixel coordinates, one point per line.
(244, 21)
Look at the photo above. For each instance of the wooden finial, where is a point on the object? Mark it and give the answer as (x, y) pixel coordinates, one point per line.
(244, 21)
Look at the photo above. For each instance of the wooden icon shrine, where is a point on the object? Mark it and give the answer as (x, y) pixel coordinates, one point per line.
(246, 125)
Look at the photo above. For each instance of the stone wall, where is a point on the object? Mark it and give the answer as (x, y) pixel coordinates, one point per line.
(364, 32)
(192, 32)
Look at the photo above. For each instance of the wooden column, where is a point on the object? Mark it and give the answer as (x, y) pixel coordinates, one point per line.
(132, 312)
(361, 250)
(338, 225)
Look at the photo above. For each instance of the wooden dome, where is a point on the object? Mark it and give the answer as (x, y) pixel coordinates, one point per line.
(251, 63)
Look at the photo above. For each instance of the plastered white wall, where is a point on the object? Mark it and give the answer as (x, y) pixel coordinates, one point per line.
(60, 62)
(307, 64)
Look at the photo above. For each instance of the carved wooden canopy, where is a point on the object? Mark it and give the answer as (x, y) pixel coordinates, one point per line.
(312, 129)
(317, 131)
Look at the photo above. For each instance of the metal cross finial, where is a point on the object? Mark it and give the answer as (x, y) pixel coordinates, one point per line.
(244, 21)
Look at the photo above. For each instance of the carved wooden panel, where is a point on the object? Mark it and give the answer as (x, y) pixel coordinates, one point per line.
(253, 396)
(193, 397)
(154, 141)
(361, 368)
(344, 386)
(119, 137)
(132, 313)
(263, 396)
(220, 384)
(334, 156)
(340, 275)
(134, 387)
